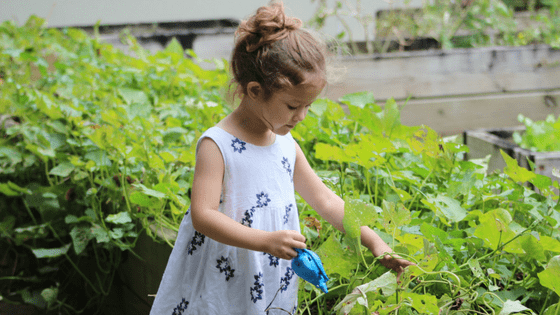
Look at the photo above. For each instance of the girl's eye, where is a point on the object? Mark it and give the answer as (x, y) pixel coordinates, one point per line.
(291, 107)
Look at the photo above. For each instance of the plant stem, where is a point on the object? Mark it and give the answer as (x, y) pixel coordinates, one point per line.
(72, 262)
(29, 211)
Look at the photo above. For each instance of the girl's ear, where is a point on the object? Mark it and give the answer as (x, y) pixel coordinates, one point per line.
(254, 90)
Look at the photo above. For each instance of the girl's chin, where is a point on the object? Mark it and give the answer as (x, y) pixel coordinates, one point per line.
(282, 131)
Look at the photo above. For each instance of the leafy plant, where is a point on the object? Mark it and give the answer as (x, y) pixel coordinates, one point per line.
(451, 23)
(482, 243)
(539, 136)
(95, 146)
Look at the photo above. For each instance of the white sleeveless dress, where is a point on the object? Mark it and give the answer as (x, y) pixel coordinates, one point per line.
(204, 276)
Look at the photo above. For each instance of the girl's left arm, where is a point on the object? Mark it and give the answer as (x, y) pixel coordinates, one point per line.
(331, 208)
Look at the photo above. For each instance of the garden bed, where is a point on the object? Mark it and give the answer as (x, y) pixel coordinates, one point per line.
(483, 142)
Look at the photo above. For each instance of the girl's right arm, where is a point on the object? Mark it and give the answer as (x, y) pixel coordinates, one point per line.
(208, 220)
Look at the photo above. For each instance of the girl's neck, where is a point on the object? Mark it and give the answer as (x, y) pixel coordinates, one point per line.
(246, 124)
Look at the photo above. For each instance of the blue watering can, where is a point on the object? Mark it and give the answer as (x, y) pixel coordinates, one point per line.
(308, 266)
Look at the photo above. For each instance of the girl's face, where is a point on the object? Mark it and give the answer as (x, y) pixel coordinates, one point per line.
(286, 108)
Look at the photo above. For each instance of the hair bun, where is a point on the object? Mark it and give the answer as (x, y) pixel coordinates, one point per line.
(267, 26)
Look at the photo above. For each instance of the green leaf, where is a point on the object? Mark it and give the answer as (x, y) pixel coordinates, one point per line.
(549, 243)
(6, 190)
(494, 230)
(174, 47)
(119, 218)
(50, 252)
(512, 307)
(357, 213)
(394, 216)
(100, 234)
(132, 96)
(391, 117)
(550, 277)
(541, 181)
(143, 200)
(17, 188)
(116, 233)
(475, 268)
(63, 169)
(81, 235)
(447, 207)
(150, 192)
(359, 99)
(532, 247)
(335, 259)
(13, 155)
(552, 309)
(327, 152)
(516, 172)
(320, 106)
(387, 283)
(33, 298)
(423, 303)
(50, 295)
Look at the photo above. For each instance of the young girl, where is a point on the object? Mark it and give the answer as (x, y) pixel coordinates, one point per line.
(233, 251)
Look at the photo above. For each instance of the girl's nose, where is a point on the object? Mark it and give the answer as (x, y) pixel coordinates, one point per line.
(300, 115)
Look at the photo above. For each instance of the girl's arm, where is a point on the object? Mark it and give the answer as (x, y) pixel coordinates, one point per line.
(331, 208)
(205, 200)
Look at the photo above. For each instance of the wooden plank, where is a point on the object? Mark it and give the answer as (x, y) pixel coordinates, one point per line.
(447, 73)
(483, 142)
(142, 277)
(454, 115)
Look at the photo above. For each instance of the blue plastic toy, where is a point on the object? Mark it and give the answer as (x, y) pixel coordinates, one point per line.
(309, 267)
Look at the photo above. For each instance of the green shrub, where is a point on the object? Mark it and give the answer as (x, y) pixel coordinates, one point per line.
(539, 136)
(95, 146)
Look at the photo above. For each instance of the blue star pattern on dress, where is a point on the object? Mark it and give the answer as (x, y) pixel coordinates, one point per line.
(181, 307)
(263, 200)
(285, 281)
(223, 265)
(287, 167)
(197, 240)
(273, 260)
(287, 215)
(238, 145)
(257, 290)
(248, 218)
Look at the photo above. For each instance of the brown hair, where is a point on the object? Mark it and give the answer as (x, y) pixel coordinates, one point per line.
(274, 51)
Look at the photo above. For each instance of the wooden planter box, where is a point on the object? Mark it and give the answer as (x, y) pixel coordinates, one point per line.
(459, 89)
(137, 280)
(448, 90)
(490, 141)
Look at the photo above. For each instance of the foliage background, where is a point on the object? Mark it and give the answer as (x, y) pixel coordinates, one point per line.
(97, 145)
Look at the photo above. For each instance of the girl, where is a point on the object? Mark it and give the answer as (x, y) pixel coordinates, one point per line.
(235, 242)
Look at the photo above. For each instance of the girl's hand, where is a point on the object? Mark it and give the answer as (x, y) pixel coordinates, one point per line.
(396, 264)
(281, 243)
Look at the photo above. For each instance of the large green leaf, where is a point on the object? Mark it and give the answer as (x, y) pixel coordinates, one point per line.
(423, 303)
(63, 169)
(516, 172)
(119, 218)
(357, 213)
(445, 207)
(550, 276)
(511, 307)
(50, 252)
(394, 216)
(359, 99)
(386, 283)
(335, 259)
(494, 230)
(81, 235)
